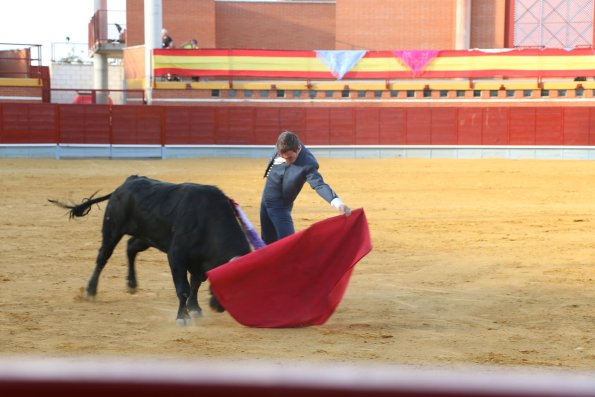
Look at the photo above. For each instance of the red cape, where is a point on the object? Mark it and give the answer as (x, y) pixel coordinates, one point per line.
(297, 281)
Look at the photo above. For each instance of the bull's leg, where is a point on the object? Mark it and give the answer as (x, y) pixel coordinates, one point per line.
(215, 305)
(135, 245)
(192, 303)
(105, 252)
(179, 274)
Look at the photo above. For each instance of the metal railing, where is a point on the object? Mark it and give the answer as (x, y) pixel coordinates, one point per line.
(98, 96)
(107, 27)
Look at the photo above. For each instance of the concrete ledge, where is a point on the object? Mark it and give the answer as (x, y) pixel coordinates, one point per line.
(137, 151)
(82, 151)
(28, 151)
(234, 151)
(64, 151)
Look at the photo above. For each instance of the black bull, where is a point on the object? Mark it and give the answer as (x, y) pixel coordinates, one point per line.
(195, 225)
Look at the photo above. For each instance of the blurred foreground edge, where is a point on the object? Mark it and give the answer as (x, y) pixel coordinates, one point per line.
(166, 377)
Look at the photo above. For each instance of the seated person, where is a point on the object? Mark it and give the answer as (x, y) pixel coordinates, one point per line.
(191, 44)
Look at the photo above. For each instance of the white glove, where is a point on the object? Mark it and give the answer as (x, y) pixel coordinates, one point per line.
(338, 204)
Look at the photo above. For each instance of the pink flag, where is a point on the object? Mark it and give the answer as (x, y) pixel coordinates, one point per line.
(416, 60)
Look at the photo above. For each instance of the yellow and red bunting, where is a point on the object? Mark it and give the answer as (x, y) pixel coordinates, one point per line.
(241, 63)
(377, 64)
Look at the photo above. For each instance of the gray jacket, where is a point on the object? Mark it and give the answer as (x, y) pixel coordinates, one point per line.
(285, 181)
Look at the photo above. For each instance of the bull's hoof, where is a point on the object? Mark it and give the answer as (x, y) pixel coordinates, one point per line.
(131, 286)
(195, 313)
(183, 322)
(215, 305)
(89, 296)
(131, 290)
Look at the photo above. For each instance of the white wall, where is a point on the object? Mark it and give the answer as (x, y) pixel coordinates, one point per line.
(80, 78)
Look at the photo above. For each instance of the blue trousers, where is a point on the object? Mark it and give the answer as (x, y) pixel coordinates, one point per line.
(275, 223)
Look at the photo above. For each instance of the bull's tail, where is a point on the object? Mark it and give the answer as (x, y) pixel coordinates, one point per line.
(83, 208)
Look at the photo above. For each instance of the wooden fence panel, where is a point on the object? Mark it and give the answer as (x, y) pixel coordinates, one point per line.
(27, 123)
(88, 124)
(576, 126)
(470, 126)
(136, 125)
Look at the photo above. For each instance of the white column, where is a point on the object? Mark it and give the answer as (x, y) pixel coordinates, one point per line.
(100, 77)
(463, 25)
(100, 69)
(153, 25)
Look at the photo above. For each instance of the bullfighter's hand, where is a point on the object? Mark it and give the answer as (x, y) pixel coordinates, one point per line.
(344, 210)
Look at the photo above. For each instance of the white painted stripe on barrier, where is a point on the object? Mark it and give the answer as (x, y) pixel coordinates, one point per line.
(329, 151)
(20, 98)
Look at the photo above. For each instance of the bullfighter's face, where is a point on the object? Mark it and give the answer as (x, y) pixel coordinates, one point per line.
(290, 156)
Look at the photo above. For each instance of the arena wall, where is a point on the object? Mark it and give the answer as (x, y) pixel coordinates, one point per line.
(191, 131)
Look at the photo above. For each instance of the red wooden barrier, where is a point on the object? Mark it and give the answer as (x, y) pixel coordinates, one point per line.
(136, 125)
(194, 125)
(27, 123)
(88, 124)
(122, 377)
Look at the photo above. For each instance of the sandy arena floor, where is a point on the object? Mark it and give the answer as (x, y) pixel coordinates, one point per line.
(474, 262)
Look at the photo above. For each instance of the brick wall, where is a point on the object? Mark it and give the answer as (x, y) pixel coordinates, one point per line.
(344, 24)
(80, 77)
(135, 25)
(21, 94)
(184, 19)
(297, 26)
(395, 24)
(487, 23)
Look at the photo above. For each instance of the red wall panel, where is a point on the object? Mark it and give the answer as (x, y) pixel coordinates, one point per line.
(84, 124)
(419, 126)
(522, 126)
(391, 129)
(202, 126)
(367, 126)
(317, 129)
(27, 123)
(221, 125)
(342, 126)
(576, 126)
(241, 126)
(292, 119)
(190, 125)
(444, 126)
(549, 126)
(495, 126)
(266, 126)
(136, 125)
(470, 126)
(591, 126)
(177, 125)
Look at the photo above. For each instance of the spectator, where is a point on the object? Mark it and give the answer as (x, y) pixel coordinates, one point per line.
(122, 36)
(121, 33)
(166, 40)
(191, 44)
